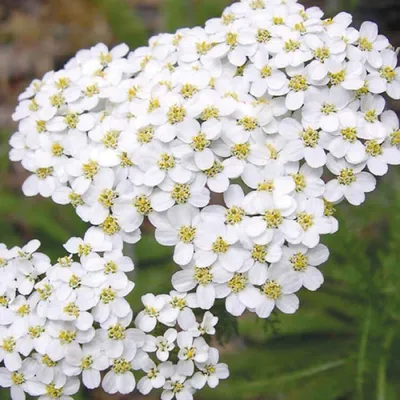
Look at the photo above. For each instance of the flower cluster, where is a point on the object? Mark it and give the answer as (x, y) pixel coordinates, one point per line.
(71, 319)
(235, 140)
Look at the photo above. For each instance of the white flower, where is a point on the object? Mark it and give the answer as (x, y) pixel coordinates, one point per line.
(322, 108)
(369, 45)
(21, 381)
(61, 386)
(87, 360)
(304, 141)
(345, 142)
(146, 320)
(178, 228)
(272, 217)
(195, 142)
(10, 347)
(211, 372)
(193, 193)
(155, 376)
(371, 107)
(236, 42)
(177, 387)
(310, 216)
(191, 350)
(120, 379)
(303, 262)
(350, 182)
(215, 242)
(387, 78)
(278, 290)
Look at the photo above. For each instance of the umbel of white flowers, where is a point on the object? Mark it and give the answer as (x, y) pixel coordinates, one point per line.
(278, 110)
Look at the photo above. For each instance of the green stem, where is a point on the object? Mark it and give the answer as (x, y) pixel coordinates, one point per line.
(362, 352)
(382, 366)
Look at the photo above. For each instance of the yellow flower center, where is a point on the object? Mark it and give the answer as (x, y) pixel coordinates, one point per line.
(23, 310)
(143, 204)
(373, 148)
(371, 116)
(75, 199)
(272, 289)
(178, 303)
(116, 332)
(57, 100)
(241, 150)
(395, 138)
(273, 218)
(43, 173)
(90, 169)
(300, 181)
(306, 221)
(66, 337)
(107, 295)
(388, 73)
(248, 123)
(121, 366)
(8, 344)
(237, 283)
(291, 45)
(349, 134)
(107, 197)
(299, 261)
(346, 176)
(365, 44)
(209, 113)
(200, 142)
(110, 139)
(166, 162)
(188, 91)
(45, 291)
(53, 392)
(220, 246)
(145, 135)
(328, 109)
(214, 170)
(180, 193)
(187, 234)
(203, 276)
(258, 253)
(310, 137)
(337, 78)
(263, 36)
(231, 39)
(176, 114)
(87, 362)
(72, 310)
(91, 90)
(57, 150)
(17, 378)
(110, 267)
(74, 281)
(234, 215)
(322, 54)
(48, 362)
(84, 249)
(265, 71)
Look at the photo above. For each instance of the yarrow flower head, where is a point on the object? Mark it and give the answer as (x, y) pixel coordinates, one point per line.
(236, 141)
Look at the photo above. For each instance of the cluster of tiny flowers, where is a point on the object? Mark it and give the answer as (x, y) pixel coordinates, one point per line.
(62, 321)
(235, 140)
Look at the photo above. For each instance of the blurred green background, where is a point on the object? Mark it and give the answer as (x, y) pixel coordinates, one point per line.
(344, 343)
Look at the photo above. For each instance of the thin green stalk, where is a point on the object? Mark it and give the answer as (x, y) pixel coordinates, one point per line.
(382, 365)
(362, 352)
